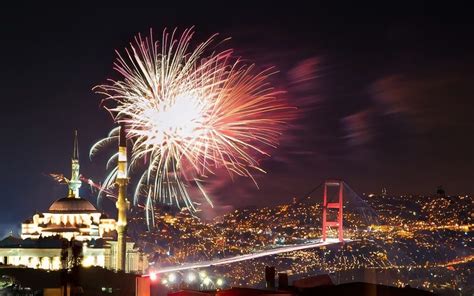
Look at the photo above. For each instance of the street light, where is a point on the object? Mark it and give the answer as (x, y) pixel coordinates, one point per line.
(191, 277)
(172, 277)
(206, 281)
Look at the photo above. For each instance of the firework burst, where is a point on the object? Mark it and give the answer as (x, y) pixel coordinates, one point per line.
(189, 112)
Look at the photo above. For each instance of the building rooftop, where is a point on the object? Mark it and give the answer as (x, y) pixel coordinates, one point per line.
(10, 241)
(47, 243)
(72, 205)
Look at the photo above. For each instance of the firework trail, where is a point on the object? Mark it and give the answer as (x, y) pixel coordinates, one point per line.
(189, 112)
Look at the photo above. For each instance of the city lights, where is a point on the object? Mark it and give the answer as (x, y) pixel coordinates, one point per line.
(398, 242)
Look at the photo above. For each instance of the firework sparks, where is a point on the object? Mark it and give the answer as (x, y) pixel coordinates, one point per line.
(189, 113)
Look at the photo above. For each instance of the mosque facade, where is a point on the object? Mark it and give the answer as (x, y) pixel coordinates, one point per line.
(72, 218)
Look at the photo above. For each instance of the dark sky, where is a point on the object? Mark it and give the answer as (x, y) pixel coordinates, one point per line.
(384, 93)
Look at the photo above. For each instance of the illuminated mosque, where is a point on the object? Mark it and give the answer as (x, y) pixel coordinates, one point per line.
(74, 218)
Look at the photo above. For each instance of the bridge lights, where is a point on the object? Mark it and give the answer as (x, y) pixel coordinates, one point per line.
(191, 277)
(206, 281)
(172, 277)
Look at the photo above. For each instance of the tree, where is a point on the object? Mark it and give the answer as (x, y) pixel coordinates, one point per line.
(71, 259)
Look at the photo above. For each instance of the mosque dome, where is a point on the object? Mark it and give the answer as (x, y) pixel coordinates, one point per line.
(72, 205)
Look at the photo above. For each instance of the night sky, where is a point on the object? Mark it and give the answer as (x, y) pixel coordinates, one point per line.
(384, 94)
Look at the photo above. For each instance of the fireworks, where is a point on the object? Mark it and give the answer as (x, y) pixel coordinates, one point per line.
(188, 113)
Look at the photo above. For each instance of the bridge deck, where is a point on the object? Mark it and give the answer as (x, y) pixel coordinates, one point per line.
(259, 254)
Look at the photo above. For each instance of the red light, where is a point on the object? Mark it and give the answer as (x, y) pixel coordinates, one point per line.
(153, 276)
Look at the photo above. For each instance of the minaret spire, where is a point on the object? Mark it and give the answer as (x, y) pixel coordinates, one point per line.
(122, 202)
(75, 151)
(74, 182)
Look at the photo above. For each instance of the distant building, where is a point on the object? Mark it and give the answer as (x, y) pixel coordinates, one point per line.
(70, 217)
(440, 191)
(313, 281)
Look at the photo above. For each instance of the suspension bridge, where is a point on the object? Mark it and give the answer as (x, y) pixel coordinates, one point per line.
(329, 205)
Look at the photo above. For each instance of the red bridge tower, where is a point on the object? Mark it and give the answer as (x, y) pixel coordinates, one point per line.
(333, 205)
